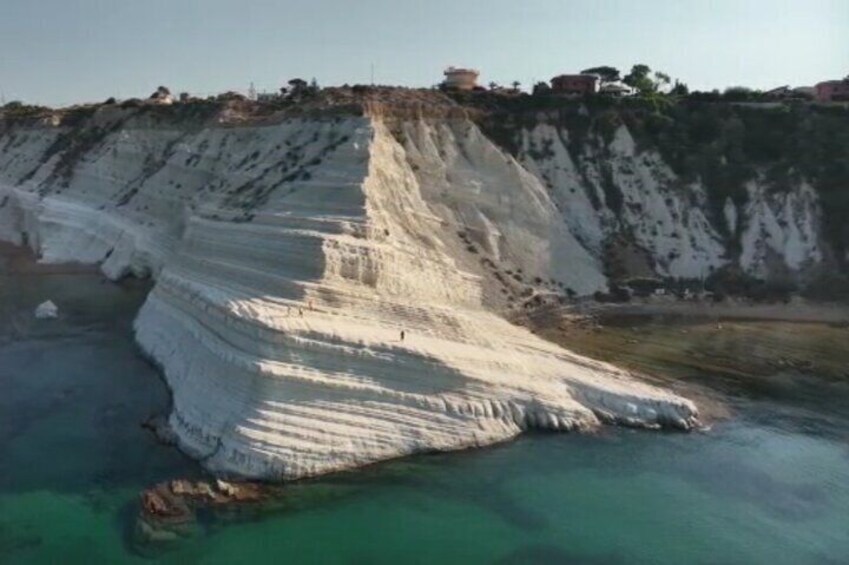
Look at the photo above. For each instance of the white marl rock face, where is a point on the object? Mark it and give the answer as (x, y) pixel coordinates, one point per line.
(785, 226)
(289, 258)
(665, 217)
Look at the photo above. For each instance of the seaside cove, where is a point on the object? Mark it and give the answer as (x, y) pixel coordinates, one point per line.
(551, 282)
(768, 481)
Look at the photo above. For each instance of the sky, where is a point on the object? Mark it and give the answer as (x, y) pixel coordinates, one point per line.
(59, 52)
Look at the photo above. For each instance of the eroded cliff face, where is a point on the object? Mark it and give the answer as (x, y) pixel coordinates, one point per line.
(692, 190)
(614, 195)
(289, 256)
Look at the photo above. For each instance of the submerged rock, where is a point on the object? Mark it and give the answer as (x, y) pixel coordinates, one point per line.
(159, 426)
(164, 504)
(169, 509)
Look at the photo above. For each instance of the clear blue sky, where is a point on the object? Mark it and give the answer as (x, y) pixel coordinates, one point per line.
(65, 51)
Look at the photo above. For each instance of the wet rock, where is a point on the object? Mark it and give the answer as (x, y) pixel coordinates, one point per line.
(160, 503)
(160, 428)
(242, 492)
(169, 509)
(148, 533)
(225, 487)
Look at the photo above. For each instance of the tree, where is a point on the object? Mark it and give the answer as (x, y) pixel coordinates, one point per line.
(607, 74)
(679, 89)
(516, 84)
(639, 78)
(658, 101)
(661, 79)
(738, 94)
(638, 72)
(297, 85)
(161, 93)
(298, 88)
(231, 95)
(493, 85)
(541, 88)
(709, 96)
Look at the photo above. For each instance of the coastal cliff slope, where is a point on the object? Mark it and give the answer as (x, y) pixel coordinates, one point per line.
(290, 253)
(743, 197)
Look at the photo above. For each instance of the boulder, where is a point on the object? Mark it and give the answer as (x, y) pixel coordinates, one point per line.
(47, 310)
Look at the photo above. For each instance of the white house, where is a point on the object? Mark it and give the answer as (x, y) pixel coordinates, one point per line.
(616, 89)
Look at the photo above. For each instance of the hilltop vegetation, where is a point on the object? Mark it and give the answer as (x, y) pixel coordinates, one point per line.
(727, 145)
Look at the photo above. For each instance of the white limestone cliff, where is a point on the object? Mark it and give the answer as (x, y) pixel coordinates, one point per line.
(781, 227)
(289, 256)
(664, 217)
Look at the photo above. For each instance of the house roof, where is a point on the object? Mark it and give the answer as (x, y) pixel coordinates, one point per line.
(615, 87)
(458, 70)
(833, 82)
(576, 76)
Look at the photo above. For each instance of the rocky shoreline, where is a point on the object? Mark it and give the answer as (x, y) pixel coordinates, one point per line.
(168, 510)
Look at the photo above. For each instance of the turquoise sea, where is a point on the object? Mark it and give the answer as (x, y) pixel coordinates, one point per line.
(769, 484)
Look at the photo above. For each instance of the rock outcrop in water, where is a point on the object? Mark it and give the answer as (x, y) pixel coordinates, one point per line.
(290, 253)
(46, 310)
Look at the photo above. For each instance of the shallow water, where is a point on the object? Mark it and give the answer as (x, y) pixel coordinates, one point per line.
(769, 484)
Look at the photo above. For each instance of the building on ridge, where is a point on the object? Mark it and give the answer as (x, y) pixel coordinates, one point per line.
(580, 84)
(460, 79)
(832, 90)
(617, 88)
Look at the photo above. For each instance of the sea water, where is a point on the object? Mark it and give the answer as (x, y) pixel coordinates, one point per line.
(769, 483)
